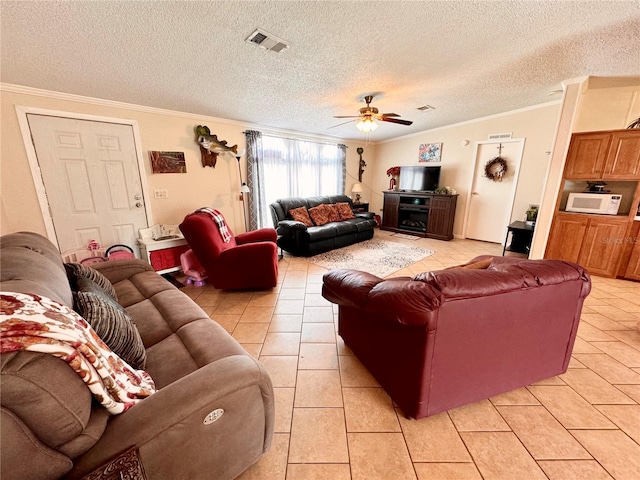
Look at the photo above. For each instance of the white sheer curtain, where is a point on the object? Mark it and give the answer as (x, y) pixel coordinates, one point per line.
(285, 167)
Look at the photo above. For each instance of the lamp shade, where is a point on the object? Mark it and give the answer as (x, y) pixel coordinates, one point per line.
(357, 188)
(366, 125)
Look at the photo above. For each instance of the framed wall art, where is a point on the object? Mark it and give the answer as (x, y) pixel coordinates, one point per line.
(430, 152)
(167, 162)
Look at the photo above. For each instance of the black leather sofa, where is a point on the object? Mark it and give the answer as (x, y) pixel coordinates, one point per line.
(296, 238)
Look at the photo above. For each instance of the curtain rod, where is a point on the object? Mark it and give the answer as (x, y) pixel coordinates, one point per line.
(302, 139)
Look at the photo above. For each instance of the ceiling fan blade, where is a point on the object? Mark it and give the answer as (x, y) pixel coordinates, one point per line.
(343, 123)
(397, 120)
(346, 116)
(389, 115)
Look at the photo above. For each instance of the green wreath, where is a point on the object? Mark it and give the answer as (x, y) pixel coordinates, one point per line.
(495, 169)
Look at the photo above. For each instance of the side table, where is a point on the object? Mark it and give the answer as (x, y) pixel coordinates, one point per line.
(360, 207)
(521, 236)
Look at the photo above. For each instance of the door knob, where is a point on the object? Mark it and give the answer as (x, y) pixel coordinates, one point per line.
(138, 204)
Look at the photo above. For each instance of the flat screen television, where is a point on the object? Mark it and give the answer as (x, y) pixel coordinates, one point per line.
(419, 179)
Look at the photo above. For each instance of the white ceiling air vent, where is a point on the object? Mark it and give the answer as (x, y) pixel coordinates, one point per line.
(499, 136)
(267, 41)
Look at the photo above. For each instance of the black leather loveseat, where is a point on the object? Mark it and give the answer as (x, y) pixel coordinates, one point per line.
(297, 238)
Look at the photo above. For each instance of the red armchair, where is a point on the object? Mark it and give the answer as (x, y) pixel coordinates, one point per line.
(248, 261)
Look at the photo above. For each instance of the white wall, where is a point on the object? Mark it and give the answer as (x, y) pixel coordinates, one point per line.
(159, 130)
(536, 125)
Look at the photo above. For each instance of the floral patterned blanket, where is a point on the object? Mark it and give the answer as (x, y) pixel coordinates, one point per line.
(39, 324)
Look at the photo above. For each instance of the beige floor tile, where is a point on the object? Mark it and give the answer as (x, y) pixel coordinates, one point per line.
(314, 288)
(282, 370)
(284, 409)
(582, 346)
(541, 434)
(369, 410)
(519, 396)
(294, 282)
(501, 456)
(575, 363)
(263, 299)
(316, 300)
(210, 299)
(273, 464)
(574, 470)
(630, 337)
(615, 313)
(569, 408)
(342, 348)
(250, 332)
(632, 391)
(614, 450)
(318, 388)
(601, 322)
(315, 277)
(228, 322)
(231, 307)
(590, 333)
(318, 471)
(480, 416)
(593, 388)
(291, 294)
(318, 356)
(257, 314)
(318, 314)
(318, 435)
(354, 374)
(285, 323)
(550, 381)
(318, 333)
(289, 307)
(622, 352)
(624, 305)
(627, 417)
(253, 349)
(281, 344)
(447, 471)
(379, 456)
(609, 368)
(433, 439)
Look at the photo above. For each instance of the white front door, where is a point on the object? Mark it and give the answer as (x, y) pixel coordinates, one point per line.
(92, 182)
(490, 203)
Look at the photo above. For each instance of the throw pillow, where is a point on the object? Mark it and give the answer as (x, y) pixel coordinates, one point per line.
(332, 213)
(110, 322)
(344, 209)
(77, 270)
(300, 214)
(319, 215)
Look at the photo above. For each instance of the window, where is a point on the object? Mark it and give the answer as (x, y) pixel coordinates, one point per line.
(295, 168)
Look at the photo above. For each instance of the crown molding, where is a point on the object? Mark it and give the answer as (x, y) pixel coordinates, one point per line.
(70, 97)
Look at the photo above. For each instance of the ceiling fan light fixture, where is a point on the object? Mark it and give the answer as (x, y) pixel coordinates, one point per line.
(366, 125)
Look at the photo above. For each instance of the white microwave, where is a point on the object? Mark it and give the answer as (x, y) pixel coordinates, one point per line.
(602, 203)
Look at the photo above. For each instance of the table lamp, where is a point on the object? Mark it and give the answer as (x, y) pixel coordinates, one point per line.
(357, 189)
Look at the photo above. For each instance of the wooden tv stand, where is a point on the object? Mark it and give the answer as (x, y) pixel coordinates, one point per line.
(428, 215)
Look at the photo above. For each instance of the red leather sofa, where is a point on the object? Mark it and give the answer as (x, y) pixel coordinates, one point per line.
(248, 261)
(447, 338)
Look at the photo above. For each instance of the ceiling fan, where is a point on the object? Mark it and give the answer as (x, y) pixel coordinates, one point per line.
(366, 120)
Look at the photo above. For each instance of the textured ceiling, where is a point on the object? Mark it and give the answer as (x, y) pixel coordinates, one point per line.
(468, 59)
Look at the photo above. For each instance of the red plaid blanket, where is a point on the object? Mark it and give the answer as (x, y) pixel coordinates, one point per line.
(219, 220)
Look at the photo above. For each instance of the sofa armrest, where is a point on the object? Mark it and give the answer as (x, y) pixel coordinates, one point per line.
(289, 228)
(166, 426)
(118, 270)
(260, 235)
(400, 300)
(254, 253)
(368, 215)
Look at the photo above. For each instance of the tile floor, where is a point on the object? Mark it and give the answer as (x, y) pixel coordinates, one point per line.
(333, 421)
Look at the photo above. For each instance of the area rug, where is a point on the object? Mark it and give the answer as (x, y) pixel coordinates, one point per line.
(378, 257)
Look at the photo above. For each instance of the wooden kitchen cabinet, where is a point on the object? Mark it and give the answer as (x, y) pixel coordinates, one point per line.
(632, 270)
(610, 155)
(566, 237)
(587, 155)
(602, 245)
(623, 157)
